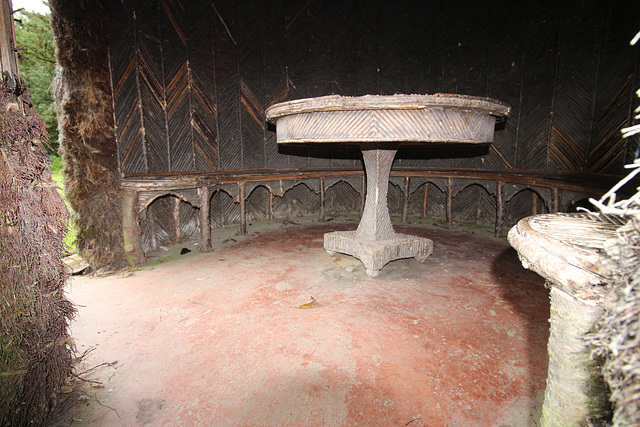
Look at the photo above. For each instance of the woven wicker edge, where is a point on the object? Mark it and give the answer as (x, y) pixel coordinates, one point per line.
(490, 106)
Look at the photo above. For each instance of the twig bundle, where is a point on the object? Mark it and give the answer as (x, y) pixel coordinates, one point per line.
(616, 338)
(617, 334)
(35, 348)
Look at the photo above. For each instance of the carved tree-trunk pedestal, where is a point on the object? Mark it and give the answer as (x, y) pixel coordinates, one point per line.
(566, 249)
(375, 243)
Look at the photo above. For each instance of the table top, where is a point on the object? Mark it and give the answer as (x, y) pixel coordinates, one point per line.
(398, 119)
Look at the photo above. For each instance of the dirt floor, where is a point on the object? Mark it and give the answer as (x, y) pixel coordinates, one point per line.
(219, 339)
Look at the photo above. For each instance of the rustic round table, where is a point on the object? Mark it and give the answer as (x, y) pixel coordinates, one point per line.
(379, 124)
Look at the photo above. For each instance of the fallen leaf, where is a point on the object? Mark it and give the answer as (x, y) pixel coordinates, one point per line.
(336, 259)
(64, 341)
(309, 304)
(66, 389)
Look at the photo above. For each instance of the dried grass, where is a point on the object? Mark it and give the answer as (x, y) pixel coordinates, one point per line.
(616, 338)
(87, 135)
(35, 348)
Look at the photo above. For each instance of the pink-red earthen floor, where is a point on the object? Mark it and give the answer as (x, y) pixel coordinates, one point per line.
(217, 339)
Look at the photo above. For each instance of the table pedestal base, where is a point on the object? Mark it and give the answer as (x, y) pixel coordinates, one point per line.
(379, 124)
(375, 254)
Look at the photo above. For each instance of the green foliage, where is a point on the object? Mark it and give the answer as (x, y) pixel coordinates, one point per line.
(34, 41)
(56, 173)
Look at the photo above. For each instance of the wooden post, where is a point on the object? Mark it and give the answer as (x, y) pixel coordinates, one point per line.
(425, 199)
(153, 230)
(243, 213)
(176, 220)
(321, 198)
(499, 208)
(205, 221)
(221, 204)
(131, 228)
(8, 56)
(270, 207)
(376, 223)
(535, 199)
(555, 200)
(405, 207)
(449, 202)
(363, 193)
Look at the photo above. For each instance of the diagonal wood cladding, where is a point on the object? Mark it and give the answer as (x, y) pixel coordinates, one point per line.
(538, 79)
(204, 111)
(165, 106)
(576, 79)
(474, 204)
(177, 80)
(278, 85)
(124, 77)
(192, 79)
(151, 89)
(564, 152)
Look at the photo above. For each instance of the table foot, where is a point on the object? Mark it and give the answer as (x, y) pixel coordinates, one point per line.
(375, 254)
(372, 273)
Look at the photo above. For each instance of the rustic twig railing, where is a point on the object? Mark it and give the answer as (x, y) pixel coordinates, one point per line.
(140, 190)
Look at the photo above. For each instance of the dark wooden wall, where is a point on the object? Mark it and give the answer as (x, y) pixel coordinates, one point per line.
(192, 79)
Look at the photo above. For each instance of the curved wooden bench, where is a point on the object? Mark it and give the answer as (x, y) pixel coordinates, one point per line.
(140, 190)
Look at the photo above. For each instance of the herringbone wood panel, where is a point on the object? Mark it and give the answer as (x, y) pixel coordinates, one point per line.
(576, 78)
(223, 210)
(521, 205)
(299, 200)
(337, 195)
(437, 203)
(612, 103)
(474, 204)
(191, 80)
(257, 204)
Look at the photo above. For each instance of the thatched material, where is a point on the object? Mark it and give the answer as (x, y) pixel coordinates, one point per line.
(35, 349)
(87, 137)
(617, 334)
